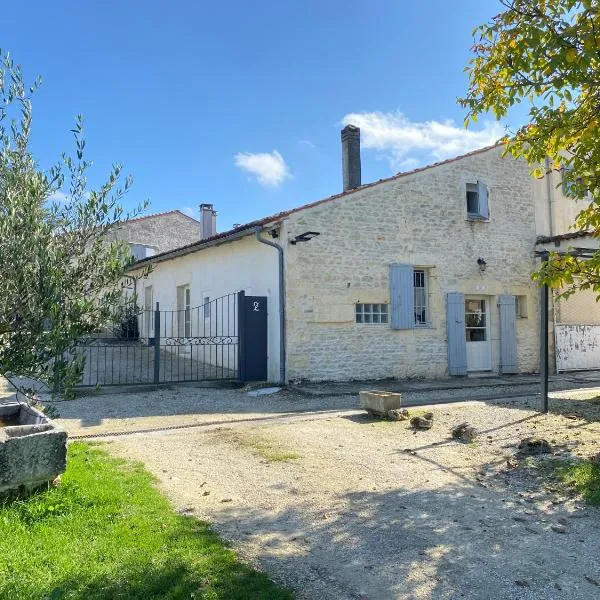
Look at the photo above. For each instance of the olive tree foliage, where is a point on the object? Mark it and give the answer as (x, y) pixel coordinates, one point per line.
(60, 278)
(546, 53)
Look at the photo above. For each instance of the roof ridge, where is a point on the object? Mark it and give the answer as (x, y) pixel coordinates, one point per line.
(286, 213)
(161, 214)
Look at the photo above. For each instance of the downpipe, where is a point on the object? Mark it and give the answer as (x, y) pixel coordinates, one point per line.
(279, 249)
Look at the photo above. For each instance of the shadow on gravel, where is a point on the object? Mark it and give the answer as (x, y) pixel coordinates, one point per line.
(460, 541)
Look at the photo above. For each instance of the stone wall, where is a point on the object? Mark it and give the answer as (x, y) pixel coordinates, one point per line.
(418, 219)
(163, 232)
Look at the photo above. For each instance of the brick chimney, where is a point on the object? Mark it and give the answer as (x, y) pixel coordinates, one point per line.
(351, 157)
(208, 221)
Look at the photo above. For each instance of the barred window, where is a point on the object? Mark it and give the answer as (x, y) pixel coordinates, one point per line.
(372, 313)
(421, 307)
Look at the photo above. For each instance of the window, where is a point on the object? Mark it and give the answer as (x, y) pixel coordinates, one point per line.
(206, 304)
(420, 292)
(477, 201)
(188, 313)
(372, 313)
(148, 314)
(475, 321)
(521, 307)
(472, 200)
(184, 311)
(571, 187)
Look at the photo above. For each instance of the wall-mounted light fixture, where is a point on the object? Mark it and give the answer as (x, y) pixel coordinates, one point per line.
(482, 264)
(305, 237)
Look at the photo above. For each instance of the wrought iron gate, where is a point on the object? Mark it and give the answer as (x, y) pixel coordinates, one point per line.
(167, 346)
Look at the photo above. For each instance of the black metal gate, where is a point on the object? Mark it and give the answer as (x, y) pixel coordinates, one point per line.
(168, 346)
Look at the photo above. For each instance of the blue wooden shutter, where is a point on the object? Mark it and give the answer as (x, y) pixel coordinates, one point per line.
(482, 192)
(508, 334)
(402, 297)
(457, 342)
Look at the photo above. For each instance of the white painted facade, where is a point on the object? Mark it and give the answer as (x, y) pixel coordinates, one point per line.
(214, 272)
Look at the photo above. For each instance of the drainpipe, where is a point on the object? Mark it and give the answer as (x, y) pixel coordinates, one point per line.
(281, 303)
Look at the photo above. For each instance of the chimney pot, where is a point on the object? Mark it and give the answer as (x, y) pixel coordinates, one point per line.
(351, 157)
(208, 221)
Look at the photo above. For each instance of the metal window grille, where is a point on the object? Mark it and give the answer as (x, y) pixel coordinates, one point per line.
(421, 307)
(372, 313)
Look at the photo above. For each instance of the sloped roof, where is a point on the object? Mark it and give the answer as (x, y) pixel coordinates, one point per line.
(248, 228)
(161, 214)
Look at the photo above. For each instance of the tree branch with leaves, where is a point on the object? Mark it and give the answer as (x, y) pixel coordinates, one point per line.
(60, 277)
(546, 53)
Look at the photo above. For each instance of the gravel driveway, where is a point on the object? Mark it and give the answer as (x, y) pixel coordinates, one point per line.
(343, 506)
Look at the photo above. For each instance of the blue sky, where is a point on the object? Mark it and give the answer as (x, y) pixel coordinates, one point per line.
(240, 103)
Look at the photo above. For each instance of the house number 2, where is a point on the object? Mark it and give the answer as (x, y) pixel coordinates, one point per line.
(256, 306)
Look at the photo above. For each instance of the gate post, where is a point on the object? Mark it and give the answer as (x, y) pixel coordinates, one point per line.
(157, 344)
(241, 330)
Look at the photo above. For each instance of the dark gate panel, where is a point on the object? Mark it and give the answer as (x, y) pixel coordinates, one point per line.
(194, 344)
(253, 341)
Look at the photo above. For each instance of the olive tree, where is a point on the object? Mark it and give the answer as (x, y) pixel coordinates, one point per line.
(60, 278)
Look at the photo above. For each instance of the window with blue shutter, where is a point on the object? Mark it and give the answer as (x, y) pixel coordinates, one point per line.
(482, 191)
(402, 297)
(457, 344)
(477, 201)
(508, 334)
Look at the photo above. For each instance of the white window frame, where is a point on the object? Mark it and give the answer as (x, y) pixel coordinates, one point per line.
(377, 312)
(184, 312)
(422, 308)
(149, 311)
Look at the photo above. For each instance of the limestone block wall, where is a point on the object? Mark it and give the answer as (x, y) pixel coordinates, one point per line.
(418, 219)
(164, 232)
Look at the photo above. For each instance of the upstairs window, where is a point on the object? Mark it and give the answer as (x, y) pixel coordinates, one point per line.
(477, 201)
(571, 185)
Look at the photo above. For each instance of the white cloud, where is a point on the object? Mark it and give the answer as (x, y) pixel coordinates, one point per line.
(190, 211)
(407, 144)
(307, 143)
(269, 168)
(58, 197)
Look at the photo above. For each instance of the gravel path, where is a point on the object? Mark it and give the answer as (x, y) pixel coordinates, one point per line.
(368, 509)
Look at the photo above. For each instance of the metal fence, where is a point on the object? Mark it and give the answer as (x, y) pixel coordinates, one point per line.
(166, 346)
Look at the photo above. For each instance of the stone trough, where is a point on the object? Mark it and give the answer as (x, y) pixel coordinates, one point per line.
(33, 451)
(379, 402)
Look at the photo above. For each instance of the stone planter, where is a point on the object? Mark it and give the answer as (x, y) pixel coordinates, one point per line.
(33, 451)
(380, 403)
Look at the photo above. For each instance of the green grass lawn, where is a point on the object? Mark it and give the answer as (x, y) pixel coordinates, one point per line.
(106, 532)
(582, 477)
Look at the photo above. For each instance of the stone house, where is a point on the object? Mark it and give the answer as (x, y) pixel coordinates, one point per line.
(574, 323)
(424, 274)
(152, 234)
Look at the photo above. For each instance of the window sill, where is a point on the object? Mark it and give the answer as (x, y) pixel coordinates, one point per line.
(477, 218)
(426, 326)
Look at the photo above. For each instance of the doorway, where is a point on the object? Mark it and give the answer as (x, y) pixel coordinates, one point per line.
(477, 331)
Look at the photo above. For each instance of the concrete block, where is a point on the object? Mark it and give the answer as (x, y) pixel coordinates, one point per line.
(380, 402)
(33, 450)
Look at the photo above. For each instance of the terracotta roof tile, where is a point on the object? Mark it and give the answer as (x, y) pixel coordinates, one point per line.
(188, 249)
